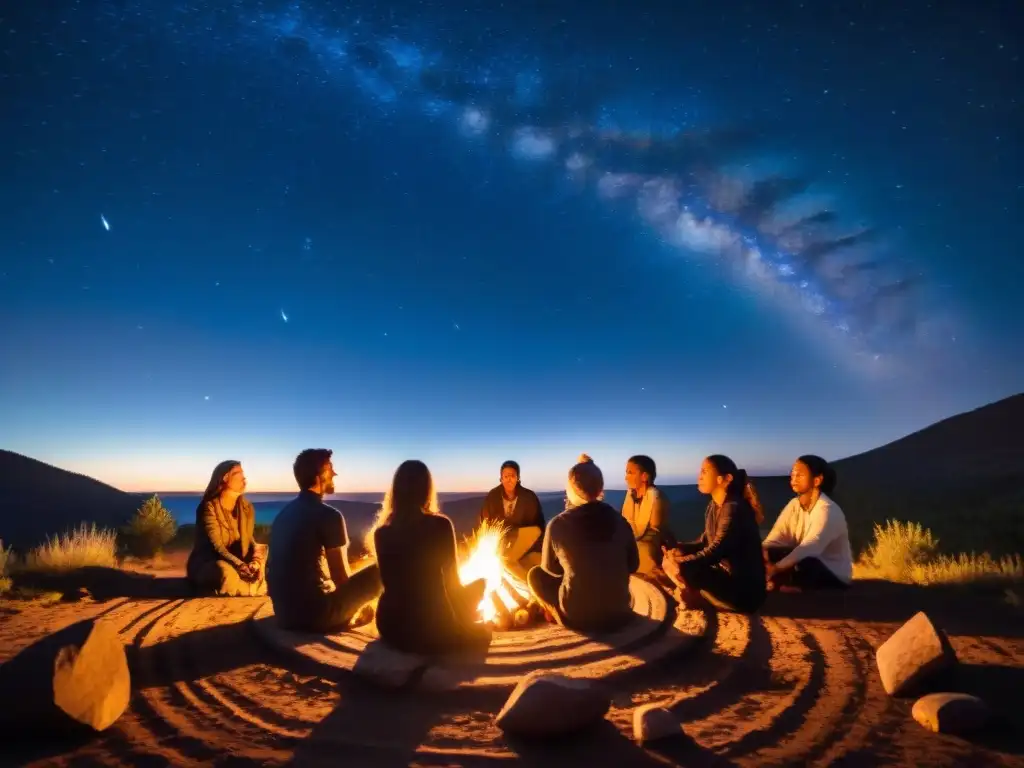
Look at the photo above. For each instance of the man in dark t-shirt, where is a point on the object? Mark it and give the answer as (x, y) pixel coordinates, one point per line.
(310, 582)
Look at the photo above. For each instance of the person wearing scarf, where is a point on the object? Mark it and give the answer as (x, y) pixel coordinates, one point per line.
(224, 559)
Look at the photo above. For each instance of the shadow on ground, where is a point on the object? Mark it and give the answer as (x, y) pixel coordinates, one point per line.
(959, 610)
(103, 583)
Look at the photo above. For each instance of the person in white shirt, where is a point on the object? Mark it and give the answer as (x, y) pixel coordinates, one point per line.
(646, 509)
(809, 545)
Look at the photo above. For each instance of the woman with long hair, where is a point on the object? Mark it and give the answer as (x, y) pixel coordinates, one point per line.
(725, 566)
(587, 556)
(224, 559)
(424, 608)
(809, 545)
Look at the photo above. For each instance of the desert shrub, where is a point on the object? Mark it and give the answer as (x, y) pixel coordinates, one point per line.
(909, 553)
(5, 560)
(84, 546)
(898, 548)
(150, 530)
(968, 568)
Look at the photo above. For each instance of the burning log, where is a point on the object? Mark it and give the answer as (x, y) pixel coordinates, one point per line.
(521, 600)
(502, 617)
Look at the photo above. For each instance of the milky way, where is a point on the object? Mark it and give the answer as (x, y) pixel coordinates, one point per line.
(691, 184)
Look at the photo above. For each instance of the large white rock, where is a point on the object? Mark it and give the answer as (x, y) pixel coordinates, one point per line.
(652, 722)
(72, 678)
(915, 655)
(954, 713)
(549, 704)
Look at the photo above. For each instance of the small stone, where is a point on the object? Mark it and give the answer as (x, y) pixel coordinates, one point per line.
(914, 656)
(72, 678)
(652, 722)
(952, 713)
(551, 704)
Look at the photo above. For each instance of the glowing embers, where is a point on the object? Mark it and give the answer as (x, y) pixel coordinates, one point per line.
(506, 602)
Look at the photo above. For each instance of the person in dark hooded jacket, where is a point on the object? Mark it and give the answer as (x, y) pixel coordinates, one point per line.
(587, 557)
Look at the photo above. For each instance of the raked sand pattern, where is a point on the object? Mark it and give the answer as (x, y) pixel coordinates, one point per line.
(766, 690)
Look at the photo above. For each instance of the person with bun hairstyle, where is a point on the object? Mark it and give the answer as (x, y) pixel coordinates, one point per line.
(587, 556)
(725, 566)
(809, 545)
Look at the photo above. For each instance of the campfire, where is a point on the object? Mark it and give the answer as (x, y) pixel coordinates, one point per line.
(506, 603)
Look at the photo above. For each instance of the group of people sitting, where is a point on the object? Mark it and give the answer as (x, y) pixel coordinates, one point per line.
(577, 566)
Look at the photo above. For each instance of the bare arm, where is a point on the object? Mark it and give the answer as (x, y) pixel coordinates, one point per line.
(334, 536)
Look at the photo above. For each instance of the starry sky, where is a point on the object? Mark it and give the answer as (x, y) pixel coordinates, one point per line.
(466, 232)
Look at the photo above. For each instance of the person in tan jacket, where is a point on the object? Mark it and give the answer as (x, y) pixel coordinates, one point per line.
(224, 558)
(646, 509)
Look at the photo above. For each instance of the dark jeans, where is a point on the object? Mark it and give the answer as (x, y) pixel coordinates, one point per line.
(809, 573)
(722, 589)
(545, 586)
(333, 612)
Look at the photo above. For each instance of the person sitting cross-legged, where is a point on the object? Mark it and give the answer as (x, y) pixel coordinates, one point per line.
(224, 559)
(424, 607)
(519, 511)
(588, 554)
(725, 566)
(809, 545)
(310, 581)
(646, 509)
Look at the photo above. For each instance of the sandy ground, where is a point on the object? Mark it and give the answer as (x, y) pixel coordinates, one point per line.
(796, 685)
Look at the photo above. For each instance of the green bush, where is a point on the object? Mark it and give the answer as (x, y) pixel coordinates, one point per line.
(151, 529)
(5, 558)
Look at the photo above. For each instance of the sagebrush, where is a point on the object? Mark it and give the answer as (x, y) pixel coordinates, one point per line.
(80, 547)
(909, 553)
(151, 529)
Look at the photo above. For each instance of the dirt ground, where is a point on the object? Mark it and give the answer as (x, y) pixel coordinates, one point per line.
(796, 685)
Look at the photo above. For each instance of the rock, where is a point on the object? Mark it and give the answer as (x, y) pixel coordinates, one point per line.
(953, 713)
(551, 704)
(76, 677)
(652, 722)
(914, 656)
(385, 666)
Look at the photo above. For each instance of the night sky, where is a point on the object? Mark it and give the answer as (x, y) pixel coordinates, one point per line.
(468, 232)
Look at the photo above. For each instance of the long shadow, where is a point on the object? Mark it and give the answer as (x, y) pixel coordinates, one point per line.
(1000, 687)
(104, 583)
(604, 744)
(958, 610)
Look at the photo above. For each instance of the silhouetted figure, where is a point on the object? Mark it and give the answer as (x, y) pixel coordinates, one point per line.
(519, 510)
(310, 581)
(587, 557)
(223, 560)
(725, 566)
(424, 608)
(646, 509)
(809, 545)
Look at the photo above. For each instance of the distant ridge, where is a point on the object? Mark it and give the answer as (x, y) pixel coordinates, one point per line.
(962, 476)
(39, 500)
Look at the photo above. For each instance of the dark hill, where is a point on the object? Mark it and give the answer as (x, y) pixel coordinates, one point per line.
(39, 500)
(962, 477)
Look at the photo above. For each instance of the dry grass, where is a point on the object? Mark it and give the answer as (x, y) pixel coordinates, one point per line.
(908, 553)
(6, 559)
(79, 548)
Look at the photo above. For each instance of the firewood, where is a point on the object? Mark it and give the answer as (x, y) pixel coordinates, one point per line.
(502, 617)
(521, 600)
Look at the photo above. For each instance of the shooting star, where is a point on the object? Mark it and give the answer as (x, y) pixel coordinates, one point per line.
(284, 316)
(106, 224)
